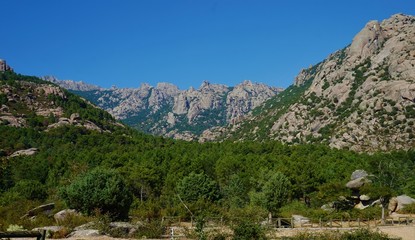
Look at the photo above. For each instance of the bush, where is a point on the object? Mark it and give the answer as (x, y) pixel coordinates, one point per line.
(152, 229)
(410, 208)
(198, 186)
(246, 230)
(30, 190)
(102, 190)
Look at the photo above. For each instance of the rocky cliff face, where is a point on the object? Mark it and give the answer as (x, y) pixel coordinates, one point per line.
(360, 97)
(181, 114)
(4, 67)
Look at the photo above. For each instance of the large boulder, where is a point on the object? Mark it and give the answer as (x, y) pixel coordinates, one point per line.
(122, 229)
(64, 214)
(358, 179)
(25, 152)
(357, 183)
(358, 174)
(86, 226)
(45, 209)
(399, 202)
(51, 230)
(85, 233)
(299, 220)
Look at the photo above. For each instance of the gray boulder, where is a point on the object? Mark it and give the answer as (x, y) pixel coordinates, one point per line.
(26, 152)
(45, 209)
(357, 183)
(300, 220)
(399, 202)
(85, 233)
(122, 228)
(86, 226)
(359, 174)
(64, 214)
(50, 230)
(358, 179)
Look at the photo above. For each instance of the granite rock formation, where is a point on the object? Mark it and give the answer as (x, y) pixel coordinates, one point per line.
(358, 98)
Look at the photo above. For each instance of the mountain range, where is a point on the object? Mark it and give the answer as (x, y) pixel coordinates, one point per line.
(180, 114)
(360, 98)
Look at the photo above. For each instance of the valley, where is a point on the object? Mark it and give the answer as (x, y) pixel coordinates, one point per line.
(135, 163)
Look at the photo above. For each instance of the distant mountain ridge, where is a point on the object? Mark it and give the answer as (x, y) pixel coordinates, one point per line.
(72, 85)
(166, 110)
(359, 98)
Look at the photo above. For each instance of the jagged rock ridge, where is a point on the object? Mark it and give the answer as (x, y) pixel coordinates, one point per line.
(358, 98)
(182, 114)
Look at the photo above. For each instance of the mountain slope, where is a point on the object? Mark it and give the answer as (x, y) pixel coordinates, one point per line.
(181, 114)
(357, 98)
(30, 102)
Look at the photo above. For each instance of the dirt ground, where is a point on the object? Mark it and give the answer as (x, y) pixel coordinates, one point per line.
(406, 232)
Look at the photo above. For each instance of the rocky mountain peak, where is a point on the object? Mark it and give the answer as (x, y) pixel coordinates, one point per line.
(359, 97)
(145, 86)
(167, 110)
(367, 41)
(205, 84)
(4, 67)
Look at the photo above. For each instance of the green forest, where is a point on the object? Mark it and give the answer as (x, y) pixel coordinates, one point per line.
(147, 178)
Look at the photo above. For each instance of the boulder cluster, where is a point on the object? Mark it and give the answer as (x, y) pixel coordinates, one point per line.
(361, 201)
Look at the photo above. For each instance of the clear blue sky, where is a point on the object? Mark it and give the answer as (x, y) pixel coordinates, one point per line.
(128, 42)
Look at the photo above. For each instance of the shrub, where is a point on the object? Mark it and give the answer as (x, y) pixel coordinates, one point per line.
(364, 234)
(30, 189)
(198, 186)
(99, 189)
(361, 234)
(410, 208)
(151, 229)
(246, 230)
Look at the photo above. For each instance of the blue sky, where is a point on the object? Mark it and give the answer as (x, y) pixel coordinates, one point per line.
(129, 42)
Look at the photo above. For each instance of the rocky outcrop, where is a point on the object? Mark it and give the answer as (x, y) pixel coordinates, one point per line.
(245, 97)
(358, 98)
(35, 99)
(180, 114)
(4, 67)
(64, 215)
(75, 120)
(85, 233)
(42, 209)
(31, 102)
(358, 179)
(25, 152)
(399, 202)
